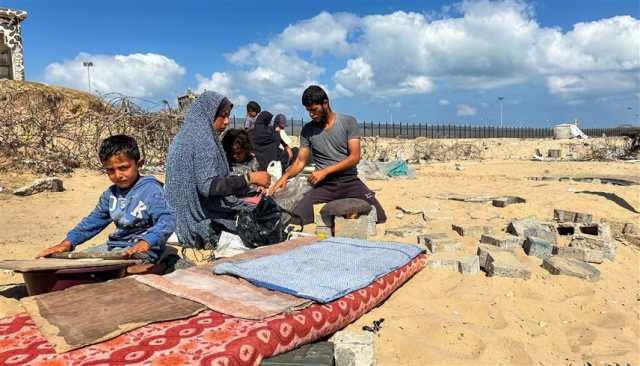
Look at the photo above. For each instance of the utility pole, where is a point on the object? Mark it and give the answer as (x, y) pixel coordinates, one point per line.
(500, 99)
(88, 65)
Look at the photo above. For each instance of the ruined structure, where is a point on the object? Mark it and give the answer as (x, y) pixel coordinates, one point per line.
(11, 56)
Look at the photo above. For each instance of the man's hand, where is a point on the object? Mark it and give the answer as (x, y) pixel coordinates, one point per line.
(280, 184)
(261, 179)
(140, 247)
(64, 246)
(317, 177)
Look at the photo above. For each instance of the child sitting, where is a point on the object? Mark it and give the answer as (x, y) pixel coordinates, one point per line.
(135, 204)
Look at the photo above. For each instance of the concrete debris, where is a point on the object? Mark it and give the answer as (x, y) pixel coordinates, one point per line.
(529, 227)
(554, 153)
(431, 237)
(406, 230)
(570, 216)
(505, 264)
(463, 198)
(471, 230)
(353, 348)
(352, 228)
(459, 167)
(469, 264)
(412, 212)
(537, 247)
(372, 220)
(443, 246)
(483, 253)
(506, 241)
(583, 254)
(606, 245)
(571, 267)
(507, 200)
(41, 185)
(633, 239)
(465, 264)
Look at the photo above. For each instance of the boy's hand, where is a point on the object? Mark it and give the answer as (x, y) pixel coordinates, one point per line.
(317, 177)
(140, 247)
(64, 246)
(261, 179)
(280, 184)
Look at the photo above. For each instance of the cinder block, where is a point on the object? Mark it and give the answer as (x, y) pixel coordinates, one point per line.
(507, 200)
(633, 239)
(530, 227)
(471, 230)
(571, 267)
(447, 245)
(323, 232)
(318, 218)
(554, 153)
(353, 348)
(469, 264)
(537, 247)
(505, 264)
(352, 228)
(607, 246)
(423, 239)
(506, 241)
(583, 254)
(485, 249)
(443, 260)
(372, 221)
(564, 216)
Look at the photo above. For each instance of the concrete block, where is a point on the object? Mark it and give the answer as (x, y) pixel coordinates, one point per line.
(571, 267)
(469, 264)
(443, 260)
(505, 264)
(319, 219)
(471, 230)
(584, 218)
(630, 228)
(633, 239)
(583, 254)
(530, 227)
(406, 230)
(352, 228)
(554, 153)
(506, 241)
(443, 246)
(617, 229)
(40, 185)
(607, 246)
(353, 348)
(537, 247)
(372, 219)
(312, 354)
(423, 239)
(485, 249)
(564, 216)
(566, 228)
(507, 200)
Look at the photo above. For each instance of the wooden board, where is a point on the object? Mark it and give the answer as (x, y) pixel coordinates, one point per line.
(50, 264)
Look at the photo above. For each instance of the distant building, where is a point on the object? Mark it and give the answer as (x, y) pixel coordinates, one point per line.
(184, 101)
(11, 56)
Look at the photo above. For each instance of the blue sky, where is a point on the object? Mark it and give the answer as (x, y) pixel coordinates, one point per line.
(413, 61)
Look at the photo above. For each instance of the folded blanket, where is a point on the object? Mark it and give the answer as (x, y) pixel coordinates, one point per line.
(325, 270)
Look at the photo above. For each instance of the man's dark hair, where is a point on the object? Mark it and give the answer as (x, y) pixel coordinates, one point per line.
(314, 95)
(236, 136)
(253, 107)
(119, 144)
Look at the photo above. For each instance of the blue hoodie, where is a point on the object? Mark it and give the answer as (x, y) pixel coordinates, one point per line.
(139, 213)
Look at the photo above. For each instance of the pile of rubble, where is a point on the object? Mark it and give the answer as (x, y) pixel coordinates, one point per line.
(569, 245)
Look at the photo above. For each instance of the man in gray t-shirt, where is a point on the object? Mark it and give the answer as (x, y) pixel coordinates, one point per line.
(334, 141)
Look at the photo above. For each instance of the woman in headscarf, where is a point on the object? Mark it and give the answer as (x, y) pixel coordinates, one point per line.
(198, 186)
(265, 141)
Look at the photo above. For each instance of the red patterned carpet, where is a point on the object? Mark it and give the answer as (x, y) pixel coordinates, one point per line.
(209, 338)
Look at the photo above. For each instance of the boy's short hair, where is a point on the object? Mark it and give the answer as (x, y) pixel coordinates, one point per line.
(314, 95)
(119, 144)
(253, 106)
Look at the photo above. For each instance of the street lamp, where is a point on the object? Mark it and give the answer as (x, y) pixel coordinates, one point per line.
(500, 99)
(88, 65)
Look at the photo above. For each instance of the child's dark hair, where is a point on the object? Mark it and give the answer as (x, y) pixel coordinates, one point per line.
(119, 144)
(314, 95)
(233, 137)
(253, 107)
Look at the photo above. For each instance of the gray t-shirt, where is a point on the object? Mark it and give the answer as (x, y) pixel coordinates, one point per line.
(329, 147)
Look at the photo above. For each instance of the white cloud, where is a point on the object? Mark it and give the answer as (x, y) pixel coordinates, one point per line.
(465, 110)
(222, 83)
(323, 33)
(443, 102)
(147, 75)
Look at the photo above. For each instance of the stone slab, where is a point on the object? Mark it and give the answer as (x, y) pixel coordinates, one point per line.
(607, 246)
(507, 200)
(353, 348)
(583, 254)
(471, 230)
(447, 245)
(506, 241)
(537, 247)
(484, 250)
(571, 267)
(406, 230)
(352, 228)
(312, 354)
(423, 239)
(40, 185)
(505, 264)
(469, 264)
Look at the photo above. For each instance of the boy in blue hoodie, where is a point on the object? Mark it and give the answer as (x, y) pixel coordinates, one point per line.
(135, 204)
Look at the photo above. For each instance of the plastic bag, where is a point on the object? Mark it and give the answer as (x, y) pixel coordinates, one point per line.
(263, 225)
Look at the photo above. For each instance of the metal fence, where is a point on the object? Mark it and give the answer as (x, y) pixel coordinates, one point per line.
(447, 131)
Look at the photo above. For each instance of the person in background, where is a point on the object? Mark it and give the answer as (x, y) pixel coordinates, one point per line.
(280, 125)
(253, 108)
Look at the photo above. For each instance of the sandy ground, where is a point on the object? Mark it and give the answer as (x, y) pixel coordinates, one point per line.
(438, 317)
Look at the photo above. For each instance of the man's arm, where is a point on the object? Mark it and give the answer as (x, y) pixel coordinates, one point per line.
(293, 170)
(353, 146)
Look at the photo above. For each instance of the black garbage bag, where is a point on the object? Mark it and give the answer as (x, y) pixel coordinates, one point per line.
(263, 225)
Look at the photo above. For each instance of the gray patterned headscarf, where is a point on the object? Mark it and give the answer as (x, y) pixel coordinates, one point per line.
(194, 159)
